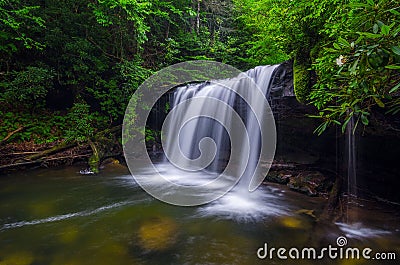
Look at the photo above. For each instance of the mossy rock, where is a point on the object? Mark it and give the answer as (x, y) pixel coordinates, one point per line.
(301, 79)
(94, 162)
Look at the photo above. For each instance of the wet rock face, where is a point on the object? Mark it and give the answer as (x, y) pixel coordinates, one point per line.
(312, 183)
(282, 83)
(279, 177)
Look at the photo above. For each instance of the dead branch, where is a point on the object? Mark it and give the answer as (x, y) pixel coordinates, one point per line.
(55, 149)
(11, 134)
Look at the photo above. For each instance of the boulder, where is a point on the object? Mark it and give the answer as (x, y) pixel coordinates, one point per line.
(309, 182)
(280, 177)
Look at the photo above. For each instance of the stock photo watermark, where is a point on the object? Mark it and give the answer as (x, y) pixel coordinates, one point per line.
(338, 251)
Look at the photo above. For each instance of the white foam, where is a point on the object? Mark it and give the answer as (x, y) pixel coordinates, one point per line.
(246, 206)
(66, 216)
(357, 230)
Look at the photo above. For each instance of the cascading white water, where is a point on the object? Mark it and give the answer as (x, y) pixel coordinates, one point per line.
(351, 159)
(219, 140)
(186, 140)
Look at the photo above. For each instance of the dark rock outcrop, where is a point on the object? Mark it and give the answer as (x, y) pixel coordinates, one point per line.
(312, 183)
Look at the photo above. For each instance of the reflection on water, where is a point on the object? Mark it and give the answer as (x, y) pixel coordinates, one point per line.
(59, 217)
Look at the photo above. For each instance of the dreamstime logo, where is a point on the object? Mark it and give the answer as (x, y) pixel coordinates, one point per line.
(152, 179)
(340, 251)
(341, 241)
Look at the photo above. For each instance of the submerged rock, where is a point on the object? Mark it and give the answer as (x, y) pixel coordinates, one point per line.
(291, 222)
(69, 235)
(109, 162)
(158, 234)
(17, 258)
(307, 212)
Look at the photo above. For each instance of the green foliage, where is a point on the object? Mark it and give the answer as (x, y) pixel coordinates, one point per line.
(359, 68)
(353, 45)
(118, 15)
(28, 88)
(38, 127)
(113, 94)
(16, 24)
(91, 56)
(283, 28)
(152, 136)
(262, 42)
(82, 123)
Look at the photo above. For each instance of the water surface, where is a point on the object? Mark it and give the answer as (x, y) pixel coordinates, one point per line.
(56, 216)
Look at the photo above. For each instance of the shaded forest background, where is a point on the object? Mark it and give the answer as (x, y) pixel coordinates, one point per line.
(68, 68)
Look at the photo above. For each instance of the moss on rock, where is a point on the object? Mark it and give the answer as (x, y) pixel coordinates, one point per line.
(94, 160)
(301, 78)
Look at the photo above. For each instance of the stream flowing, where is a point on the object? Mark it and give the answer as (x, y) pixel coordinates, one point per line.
(57, 216)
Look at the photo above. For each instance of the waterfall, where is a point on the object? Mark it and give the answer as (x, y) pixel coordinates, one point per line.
(351, 158)
(219, 135)
(185, 145)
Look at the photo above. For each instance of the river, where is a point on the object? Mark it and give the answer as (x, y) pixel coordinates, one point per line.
(56, 216)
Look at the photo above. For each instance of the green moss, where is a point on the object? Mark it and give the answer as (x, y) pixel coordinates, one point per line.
(315, 52)
(94, 162)
(301, 79)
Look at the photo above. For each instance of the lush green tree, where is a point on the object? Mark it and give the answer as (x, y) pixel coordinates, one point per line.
(18, 22)
(60, 58)
(358, 67)
(346, 53)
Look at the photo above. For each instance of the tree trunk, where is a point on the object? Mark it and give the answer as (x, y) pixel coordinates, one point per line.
(94, 160)
(198, 17)
(101, 145)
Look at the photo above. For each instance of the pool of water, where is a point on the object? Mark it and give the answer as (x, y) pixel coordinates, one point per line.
(56, 217)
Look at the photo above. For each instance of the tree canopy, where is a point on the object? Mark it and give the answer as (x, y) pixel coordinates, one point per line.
(68, 68)
(346, 53)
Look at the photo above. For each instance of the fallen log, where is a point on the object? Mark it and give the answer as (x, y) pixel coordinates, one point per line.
(102, 145)
(53, 150)
(40, 161)
(20, 164)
